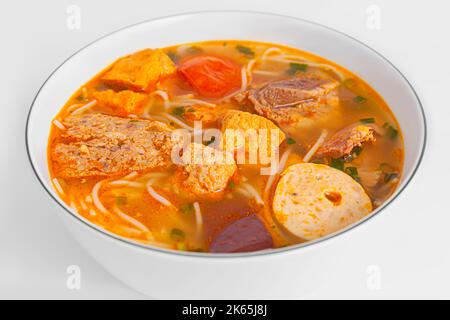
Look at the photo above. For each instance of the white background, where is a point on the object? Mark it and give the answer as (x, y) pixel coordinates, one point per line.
(409, 243)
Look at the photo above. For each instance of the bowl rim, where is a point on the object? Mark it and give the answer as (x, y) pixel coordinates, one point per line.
(234, 256)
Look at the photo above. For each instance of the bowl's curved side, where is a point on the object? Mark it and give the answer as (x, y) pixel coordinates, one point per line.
(168, 276)
(132, 262)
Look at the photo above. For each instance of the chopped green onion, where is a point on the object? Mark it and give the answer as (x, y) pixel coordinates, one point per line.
(194, 50)
(318, 161)
(291, 141)
(390, 176)
(178, 111)
(187, 208)
(389, 172)
(245, 50)
(386, 167)
(367, 120)
(80, 98)
(177, 234)
(359, 99)
(121, 200)
(173, 56)
(181, 246)
(391, 132)
(349, 83)
(352, 172)
(357, 151)
(231, 185)
(353, 155)
(296, 67)
(337, 164)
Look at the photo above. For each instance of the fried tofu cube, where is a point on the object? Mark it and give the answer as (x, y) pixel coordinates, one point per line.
(251, 130)
(140, 71)
(123, 102)
(205, 171)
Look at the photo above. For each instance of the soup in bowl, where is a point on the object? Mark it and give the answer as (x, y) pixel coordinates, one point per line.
(221, 149)
(225, 146)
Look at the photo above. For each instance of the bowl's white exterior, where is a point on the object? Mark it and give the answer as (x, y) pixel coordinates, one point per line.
(286, 274)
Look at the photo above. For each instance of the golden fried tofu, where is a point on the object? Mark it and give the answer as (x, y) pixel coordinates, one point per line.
(343, 142)
(140, 71)
(314, 200)
(207, 115)
(205, 171)
(256, 132)
(123, 102)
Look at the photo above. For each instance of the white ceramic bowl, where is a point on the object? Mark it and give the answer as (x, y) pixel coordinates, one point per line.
(168, 274)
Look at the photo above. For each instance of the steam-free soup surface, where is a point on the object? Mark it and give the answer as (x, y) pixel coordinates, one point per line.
(339, 149)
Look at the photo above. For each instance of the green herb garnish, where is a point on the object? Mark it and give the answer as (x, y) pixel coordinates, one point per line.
(386, 167)
(245, 50)
(81, 98)
(367, 120)
(121, 200)
(389, 177)
(318, 161)
(353, 155)
(296, 67)
(173, 56)
(349, 83)
(291, 141)
(352, 172)
(357, 151)
(187, 208)
(359, 99)
(194, 50)
(177, 234)
(388, 171)
(178, 111)
(337, 164)
(391, 132)
(231, 185)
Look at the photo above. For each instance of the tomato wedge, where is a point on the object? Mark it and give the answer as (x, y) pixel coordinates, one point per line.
(210, 75)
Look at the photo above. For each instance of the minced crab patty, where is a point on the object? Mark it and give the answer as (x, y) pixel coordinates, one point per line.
(102, 145)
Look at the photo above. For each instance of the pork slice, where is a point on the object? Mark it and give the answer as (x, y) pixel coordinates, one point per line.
(345, 141)
(290, 101)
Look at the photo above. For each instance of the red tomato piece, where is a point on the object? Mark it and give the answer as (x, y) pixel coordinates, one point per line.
(211, 76)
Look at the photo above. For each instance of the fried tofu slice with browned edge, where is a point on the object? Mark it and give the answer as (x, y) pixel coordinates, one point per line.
(345, 141)
(103, 145)
(123, 102)
(205, 172)
(208, 116)
(140, 71)
(246, 125)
